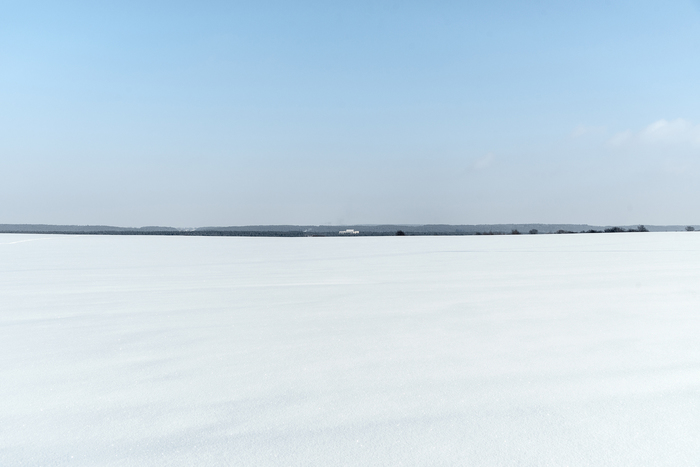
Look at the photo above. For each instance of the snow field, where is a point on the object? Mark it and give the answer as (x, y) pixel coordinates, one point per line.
(544, 350)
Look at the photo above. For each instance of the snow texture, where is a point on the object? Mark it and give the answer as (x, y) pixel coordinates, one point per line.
(530, 350)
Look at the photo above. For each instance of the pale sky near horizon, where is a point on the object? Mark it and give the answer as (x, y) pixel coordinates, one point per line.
(232, 113)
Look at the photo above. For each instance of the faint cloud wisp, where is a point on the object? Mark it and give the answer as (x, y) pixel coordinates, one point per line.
(674, 132)
(483, 162)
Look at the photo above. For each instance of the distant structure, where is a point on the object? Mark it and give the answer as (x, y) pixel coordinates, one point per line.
(349, 231)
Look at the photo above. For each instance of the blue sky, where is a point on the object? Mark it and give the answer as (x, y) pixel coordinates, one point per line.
(233, 113)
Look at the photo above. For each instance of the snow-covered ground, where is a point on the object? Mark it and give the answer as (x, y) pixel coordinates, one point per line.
(476, 351)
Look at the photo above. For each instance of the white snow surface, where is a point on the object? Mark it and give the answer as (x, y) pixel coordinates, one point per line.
(530, 350)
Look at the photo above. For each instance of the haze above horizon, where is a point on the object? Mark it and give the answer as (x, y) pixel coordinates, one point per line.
(187, 114)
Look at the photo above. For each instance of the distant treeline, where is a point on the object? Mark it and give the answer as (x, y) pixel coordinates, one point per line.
(186, 233)
(334, 231)
(639, 228)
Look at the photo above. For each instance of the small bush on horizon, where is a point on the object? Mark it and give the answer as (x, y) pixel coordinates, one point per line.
(690, 228)
(534, 231)
(400, 232)
(514, 232)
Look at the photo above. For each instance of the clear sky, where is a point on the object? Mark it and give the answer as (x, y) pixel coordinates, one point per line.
(233, 113)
